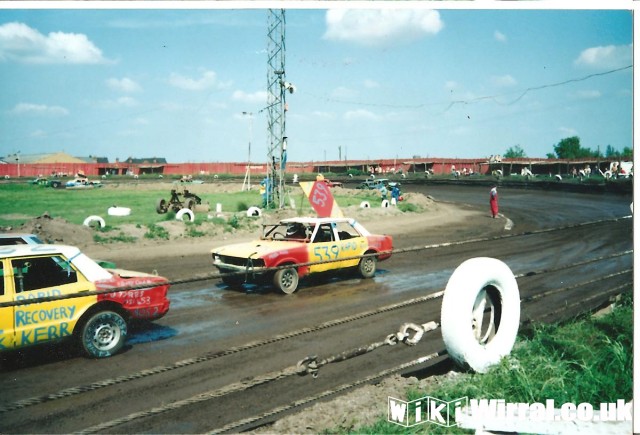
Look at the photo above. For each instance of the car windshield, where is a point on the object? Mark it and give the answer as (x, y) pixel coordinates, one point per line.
(291, 231)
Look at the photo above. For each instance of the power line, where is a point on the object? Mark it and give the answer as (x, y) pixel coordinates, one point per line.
(450, 104)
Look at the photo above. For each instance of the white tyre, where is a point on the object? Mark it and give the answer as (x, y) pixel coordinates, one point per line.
(384, 204)
(480, 313)
(92, 221)
(118, 211)
(558, 177)
(365, 204)
(253, 212)
(185, 211)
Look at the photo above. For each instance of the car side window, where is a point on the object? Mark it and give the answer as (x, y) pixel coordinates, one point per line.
(41, 272)
(325, 234)
(346, 231)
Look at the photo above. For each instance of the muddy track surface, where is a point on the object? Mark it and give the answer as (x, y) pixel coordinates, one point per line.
(225, 360)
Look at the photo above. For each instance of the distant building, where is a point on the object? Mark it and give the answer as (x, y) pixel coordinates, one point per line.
(149, 165)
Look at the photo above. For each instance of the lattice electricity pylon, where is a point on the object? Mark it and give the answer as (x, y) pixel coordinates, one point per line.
(276, 105)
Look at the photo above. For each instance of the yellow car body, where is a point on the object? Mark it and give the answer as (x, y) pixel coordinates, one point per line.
(42, 299)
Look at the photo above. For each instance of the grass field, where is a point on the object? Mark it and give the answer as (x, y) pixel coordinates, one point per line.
(586, 360)
(21, 202)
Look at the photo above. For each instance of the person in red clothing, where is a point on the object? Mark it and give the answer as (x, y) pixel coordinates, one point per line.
(493, 201)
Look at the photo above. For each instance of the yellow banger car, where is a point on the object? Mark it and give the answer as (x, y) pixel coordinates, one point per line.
(328, 244)
(41, 299)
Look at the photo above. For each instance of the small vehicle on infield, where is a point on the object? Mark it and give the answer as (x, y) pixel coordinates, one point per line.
(180, 198)
(331, 183)
(299, 247)
(378, 184)
(54, 292)
(82, 183)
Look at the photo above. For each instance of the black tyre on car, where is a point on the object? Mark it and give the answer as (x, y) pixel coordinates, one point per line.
(286, 280)
(232, 281)
(367, 266)
(103, 334)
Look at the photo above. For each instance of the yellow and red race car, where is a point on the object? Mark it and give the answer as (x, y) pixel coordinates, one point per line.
(308, 245)
(54, 292)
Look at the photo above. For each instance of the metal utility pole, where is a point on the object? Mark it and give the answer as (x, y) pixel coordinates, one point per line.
(277, 106)
(247, 174)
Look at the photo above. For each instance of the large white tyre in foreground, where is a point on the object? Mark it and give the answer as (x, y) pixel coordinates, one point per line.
(480, 313)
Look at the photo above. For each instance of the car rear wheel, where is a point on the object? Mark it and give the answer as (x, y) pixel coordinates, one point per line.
(286, 280)
(190, 203)
(103, 334)
(161, 206)
(367, 267)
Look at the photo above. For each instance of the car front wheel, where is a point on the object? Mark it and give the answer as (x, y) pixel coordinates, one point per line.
(104, 334)
(286, 280)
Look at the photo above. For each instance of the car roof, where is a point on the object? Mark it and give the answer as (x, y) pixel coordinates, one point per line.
(10, 251)
(315, 220)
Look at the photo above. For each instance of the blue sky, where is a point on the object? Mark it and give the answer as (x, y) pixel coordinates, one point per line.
(370, 83)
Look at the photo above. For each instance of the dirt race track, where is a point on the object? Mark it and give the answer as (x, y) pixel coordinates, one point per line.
(225, 360)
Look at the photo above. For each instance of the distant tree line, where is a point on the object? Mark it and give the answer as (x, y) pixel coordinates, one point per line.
(570, 148)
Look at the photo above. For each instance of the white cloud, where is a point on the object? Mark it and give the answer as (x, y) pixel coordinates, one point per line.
(128, 133)
(451, 85)
(141, 121)
(499, 36)
(611, 56)
(259, 97)
(588, 94)
(124, 84)
(371, 84)
(342, 92)
(208, 80)
(37, 134)
(38, 109)
(118, 102)
(381, 27)
(567, 131)
(324, 115)
(21, 43)
(504, 81)
(360, 114)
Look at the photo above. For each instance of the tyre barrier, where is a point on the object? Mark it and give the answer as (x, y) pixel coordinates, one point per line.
(365, 204)
(118, 211)
(479, 288)
(185, 211)
(385, 203)
(558, 177)
(89, 221)
(254, 212)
